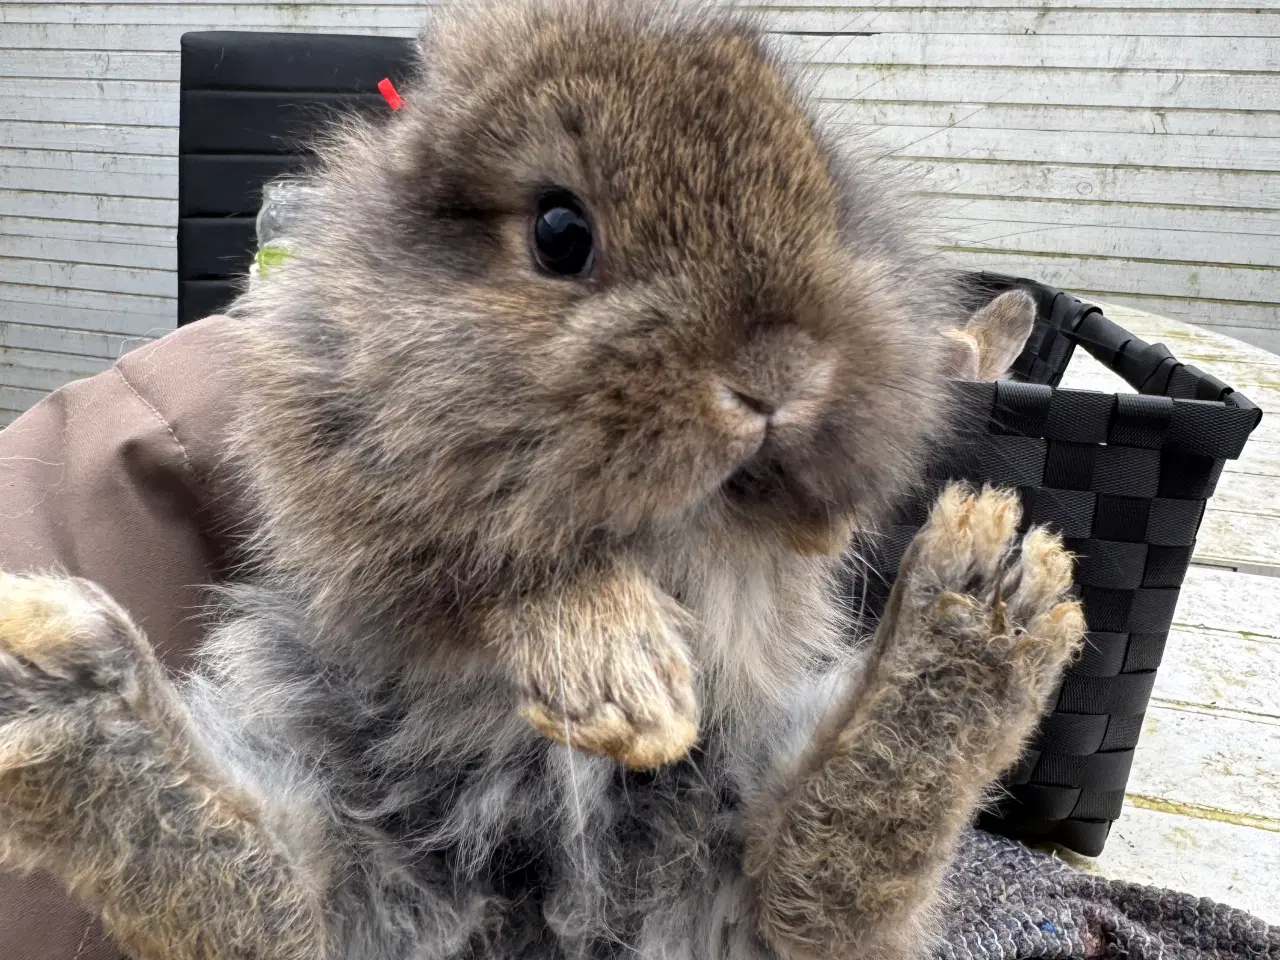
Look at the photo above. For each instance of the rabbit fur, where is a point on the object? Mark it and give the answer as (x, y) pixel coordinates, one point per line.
(538, 651)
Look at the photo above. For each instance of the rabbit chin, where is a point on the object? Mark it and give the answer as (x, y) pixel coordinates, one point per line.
(781, 510)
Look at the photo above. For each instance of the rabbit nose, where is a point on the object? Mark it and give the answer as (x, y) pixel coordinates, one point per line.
(745, 413)
(765, 408)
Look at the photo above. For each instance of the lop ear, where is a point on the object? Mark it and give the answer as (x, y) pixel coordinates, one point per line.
(1000, 331)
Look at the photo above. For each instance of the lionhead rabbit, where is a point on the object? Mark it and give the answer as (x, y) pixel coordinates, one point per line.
(589, 361)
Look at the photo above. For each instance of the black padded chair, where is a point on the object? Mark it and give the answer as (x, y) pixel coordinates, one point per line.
(250, 102)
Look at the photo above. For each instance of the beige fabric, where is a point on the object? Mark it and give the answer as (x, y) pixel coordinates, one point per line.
(113, 478)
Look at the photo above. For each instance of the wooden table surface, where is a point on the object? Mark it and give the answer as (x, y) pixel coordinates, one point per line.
(1203, 808)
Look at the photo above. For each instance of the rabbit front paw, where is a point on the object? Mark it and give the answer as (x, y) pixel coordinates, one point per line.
(70, 664)
(978, 627)
(603, 670)
(985, 614)
(62, 641)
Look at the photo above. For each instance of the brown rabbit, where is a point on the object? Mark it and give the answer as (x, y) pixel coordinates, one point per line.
(587, 364)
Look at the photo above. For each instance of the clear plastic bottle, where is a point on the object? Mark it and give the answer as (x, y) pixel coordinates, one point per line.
(283, 202)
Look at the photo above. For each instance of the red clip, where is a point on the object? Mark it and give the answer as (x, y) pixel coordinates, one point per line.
(388, 91)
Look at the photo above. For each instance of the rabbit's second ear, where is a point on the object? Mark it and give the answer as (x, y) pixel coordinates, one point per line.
(1000, 331)
(960, 355)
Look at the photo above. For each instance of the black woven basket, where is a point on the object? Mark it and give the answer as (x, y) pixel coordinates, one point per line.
(1124, 478)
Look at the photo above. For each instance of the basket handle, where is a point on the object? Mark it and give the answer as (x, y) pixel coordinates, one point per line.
(1148, 368)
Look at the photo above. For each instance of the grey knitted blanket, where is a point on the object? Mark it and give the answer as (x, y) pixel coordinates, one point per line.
(1009, 902)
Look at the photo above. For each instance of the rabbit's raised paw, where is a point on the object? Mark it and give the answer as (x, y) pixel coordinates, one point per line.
(604, 671)
(61, 640)
(983, 596)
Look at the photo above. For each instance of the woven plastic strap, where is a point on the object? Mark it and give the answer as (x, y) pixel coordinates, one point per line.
(1124, 479)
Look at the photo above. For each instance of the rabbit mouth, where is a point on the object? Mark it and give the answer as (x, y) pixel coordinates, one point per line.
(759, 479)
(765, 492)
(765, 481)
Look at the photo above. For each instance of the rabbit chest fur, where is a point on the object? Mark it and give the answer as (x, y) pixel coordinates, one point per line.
(445, 826)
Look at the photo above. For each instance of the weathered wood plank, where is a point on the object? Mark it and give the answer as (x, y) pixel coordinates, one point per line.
(1082, 213)
(1106, 149)
(872, 6)
(1128, 88)
(88, 276)
(1233, 602)
(1047, 180)
(1243, 540)
(89, 252)
(1224, 121)
(42, 378)
(1222, 670)
(113, 184)
(80, 162)
(93, 137)
(1025, 21)
(1115, 242)
(1164, 278)
(18, 398)
(1209, 758)
(1248, 494)
(92, 231)
(91, 65)
(68, 339)
(138, 38)
(48, 105)
(1206, 855)
(1038, 52)
(118, 312)
(382, 16)
(143, 211)
(51, 361)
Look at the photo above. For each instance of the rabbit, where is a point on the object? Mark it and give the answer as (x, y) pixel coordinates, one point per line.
(990, 340)
(586, 365)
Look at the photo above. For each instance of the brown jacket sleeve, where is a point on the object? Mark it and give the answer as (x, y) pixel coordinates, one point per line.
(113, 478)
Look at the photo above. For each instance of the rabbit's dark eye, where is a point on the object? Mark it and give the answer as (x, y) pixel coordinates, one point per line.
(562, 242)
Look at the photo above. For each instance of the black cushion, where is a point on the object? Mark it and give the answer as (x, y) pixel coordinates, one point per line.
(250, 104)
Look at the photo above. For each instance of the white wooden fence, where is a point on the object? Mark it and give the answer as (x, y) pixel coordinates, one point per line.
(1124, 148)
